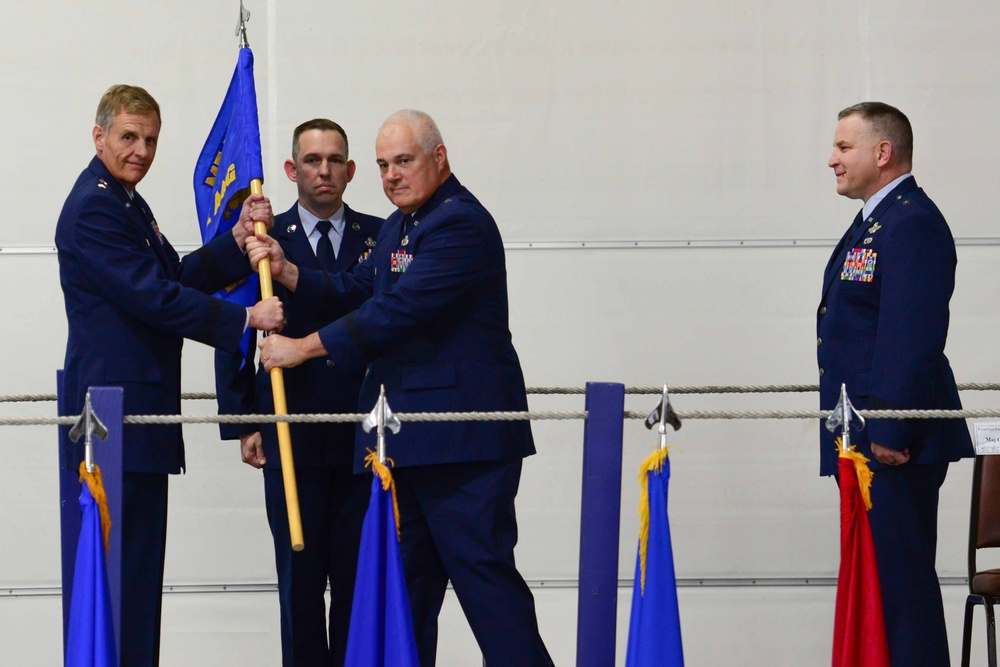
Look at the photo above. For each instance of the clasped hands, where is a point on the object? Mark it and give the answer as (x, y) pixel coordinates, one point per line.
(890, 457)
(268, 314)
(257, 208)
(275, 351)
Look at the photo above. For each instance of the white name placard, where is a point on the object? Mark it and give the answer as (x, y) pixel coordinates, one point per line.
(987, 437)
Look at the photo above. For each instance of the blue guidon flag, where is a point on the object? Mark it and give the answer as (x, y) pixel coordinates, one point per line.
(90, 639)
(381, 632)
(230, 160)
(654, 632)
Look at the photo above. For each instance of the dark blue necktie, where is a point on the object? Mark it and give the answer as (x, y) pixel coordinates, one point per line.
(858, 221)
(324, 248)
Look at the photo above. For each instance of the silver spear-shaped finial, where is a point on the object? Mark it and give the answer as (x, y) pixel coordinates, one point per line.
(381, 418)
(88, 425)
(844, 416)
(662, 415)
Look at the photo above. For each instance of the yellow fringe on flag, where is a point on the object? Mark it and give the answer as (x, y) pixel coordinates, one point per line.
(863, 471)
(96, 484)
(388, 482)
(654, 462)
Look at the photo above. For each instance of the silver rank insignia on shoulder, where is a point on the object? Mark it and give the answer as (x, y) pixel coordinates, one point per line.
(356, 227)
(370, 242)
(868, 240)
(405, 241)
(102, 184)
(874, 228)
(291, 229)
(447, 201)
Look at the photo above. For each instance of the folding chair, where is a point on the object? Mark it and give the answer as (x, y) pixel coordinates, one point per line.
(984, 533)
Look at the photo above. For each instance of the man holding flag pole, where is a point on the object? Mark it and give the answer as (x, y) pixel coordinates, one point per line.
(130, 302)
(427, 315)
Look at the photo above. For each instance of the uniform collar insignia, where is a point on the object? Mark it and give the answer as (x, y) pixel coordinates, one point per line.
(874, 228)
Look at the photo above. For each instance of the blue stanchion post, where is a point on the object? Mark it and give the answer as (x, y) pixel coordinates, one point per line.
(69, 506)
(600, 519)
(107, 405)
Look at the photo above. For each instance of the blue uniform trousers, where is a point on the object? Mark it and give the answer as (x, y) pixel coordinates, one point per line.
(904, 519)
(457, 523)
(144, 543)
(332, 502)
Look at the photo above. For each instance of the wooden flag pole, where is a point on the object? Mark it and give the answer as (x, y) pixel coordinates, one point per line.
(280, 404)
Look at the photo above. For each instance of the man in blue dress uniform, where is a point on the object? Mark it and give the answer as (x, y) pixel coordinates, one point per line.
(130, 303)
(319, 232)
(882, 324)
(427, 315)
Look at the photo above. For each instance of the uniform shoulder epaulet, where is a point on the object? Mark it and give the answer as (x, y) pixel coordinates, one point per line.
(462, 198)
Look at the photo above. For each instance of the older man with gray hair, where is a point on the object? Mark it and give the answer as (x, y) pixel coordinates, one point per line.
(130, 303)
(428, 316)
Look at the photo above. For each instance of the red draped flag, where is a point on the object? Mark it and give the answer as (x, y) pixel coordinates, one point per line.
(859, 627)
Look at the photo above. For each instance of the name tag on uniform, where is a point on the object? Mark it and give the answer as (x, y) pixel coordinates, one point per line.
(401, 261)
(859, 265)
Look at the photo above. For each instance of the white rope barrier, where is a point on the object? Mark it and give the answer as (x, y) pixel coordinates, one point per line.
(580, 391)
(522, 416)
(503, 416)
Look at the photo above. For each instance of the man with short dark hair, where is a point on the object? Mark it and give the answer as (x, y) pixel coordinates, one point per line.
(882, 325)
(427, 315)
(130, 302)
(323, 233)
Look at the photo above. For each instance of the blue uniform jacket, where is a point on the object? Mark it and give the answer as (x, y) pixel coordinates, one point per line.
(882, 324)
(432, 327)
(130, 302)
(313, 387)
